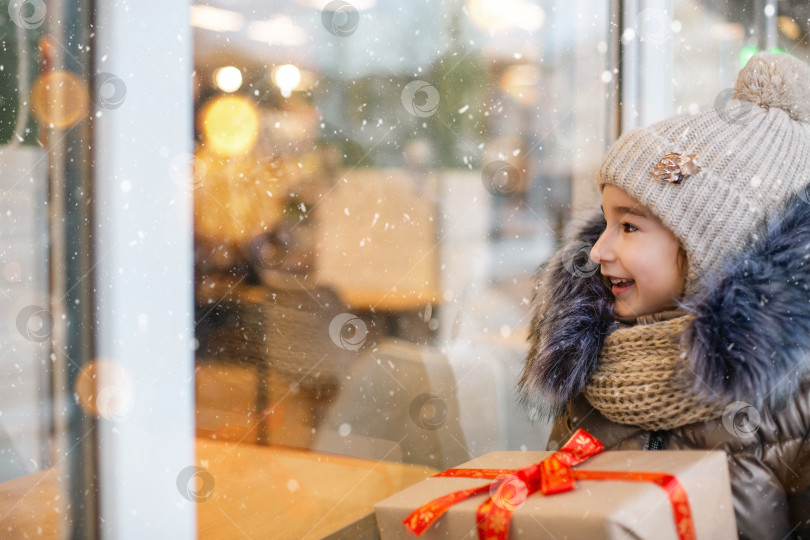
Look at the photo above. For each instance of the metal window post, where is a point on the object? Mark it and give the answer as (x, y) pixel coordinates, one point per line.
(640, 50)
(765, 24)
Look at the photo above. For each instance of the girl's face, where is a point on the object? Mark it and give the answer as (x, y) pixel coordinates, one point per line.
(639, 256)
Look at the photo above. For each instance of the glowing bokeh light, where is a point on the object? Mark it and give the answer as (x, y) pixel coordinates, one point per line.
(230, 125)
(287, 77)
(59, 99)
(228, 78)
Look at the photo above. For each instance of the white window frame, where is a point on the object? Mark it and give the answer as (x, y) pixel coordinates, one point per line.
(144, 266)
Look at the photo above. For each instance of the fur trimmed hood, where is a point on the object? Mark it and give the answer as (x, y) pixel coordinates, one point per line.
(749, 339)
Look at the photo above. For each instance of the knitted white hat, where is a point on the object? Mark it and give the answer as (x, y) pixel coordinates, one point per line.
(753, 153)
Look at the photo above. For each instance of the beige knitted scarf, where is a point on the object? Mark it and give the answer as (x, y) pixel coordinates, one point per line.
(643, 378)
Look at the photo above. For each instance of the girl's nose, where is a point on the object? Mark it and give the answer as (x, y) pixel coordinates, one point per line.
(600, 252)
(595, 255)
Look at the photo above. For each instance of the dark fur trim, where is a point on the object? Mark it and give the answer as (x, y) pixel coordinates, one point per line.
(573, 312)
(751, 335)
(750, 340)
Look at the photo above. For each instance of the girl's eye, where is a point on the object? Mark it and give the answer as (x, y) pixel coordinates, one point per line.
(628, 228)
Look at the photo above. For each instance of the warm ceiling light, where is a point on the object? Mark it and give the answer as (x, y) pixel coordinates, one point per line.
(228, 78)
(359, 5)
(287, 78)
(216, 19)
(230, 125)
(504, 14)
(279, 30)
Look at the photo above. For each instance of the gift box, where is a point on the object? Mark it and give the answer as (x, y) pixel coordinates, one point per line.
(615, 494)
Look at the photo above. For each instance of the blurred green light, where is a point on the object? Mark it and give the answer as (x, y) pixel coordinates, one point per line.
(750, 50)
(746, 53)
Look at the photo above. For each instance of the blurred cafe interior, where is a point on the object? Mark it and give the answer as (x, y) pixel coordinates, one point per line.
(277, 258)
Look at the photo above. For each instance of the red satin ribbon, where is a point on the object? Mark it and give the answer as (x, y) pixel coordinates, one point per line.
(552, 475)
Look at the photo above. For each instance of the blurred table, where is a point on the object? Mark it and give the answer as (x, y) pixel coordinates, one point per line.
(32, 506)
(279, 492)
(258, 492)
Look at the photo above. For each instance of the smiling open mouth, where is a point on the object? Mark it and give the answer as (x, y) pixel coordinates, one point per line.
(619, 286)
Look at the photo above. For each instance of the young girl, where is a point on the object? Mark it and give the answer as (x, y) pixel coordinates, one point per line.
(694, 333)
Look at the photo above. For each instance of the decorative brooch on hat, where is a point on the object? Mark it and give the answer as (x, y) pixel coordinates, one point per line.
(674, 167)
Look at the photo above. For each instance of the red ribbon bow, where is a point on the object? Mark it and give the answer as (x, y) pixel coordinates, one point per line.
(554, 474)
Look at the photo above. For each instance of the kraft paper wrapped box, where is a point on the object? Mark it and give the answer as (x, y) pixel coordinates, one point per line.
(593, 509)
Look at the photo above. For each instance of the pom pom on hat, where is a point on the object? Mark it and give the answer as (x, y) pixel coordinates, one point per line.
(776, 81)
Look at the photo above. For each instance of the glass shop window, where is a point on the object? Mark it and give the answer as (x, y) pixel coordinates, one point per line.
(46, 104)
(376, 183)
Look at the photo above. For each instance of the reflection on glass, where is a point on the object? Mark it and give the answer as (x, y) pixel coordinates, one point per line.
(43, 170)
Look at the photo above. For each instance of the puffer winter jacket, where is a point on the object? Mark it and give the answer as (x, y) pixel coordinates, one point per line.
(749, 343)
